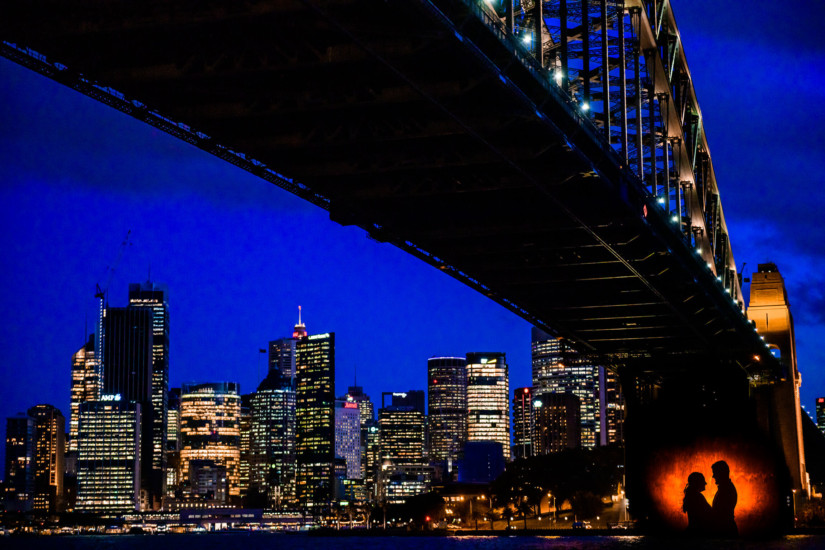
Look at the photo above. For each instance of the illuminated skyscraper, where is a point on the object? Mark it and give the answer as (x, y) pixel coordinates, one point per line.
(488, 399)
(19, 463)
(820, 414)
(210, 416)
(282, 352)
(557, 422)
(355, 394)
(49, 450)
(108, 461)
(348, 436)
(272, 468)
(404, 471)
(315, 426)
(85, 386)
(558, 368)
(155, 296)
(447, 410)
(523, 423)
(245, 465)
(127, 371)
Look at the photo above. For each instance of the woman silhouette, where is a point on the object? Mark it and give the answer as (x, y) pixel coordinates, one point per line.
(696, 506)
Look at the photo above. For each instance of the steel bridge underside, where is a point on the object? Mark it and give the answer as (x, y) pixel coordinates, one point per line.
(416, 122)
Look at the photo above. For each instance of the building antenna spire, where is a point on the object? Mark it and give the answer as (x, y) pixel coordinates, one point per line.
(299, 315)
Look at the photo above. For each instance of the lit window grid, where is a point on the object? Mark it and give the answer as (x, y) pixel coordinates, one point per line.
(108, 476)
(348, 439)
(401, 435)
(210, 430)
(273, 442)
(447, 407)
(488, 402)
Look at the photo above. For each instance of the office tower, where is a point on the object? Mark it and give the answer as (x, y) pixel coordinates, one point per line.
(49, 451)
(558, 368)
(446, 410)
(108, 456)
(127, 372)
(315, 414)
(611, 408)
(483, 461)
(372, 457)
(348, 436)
(488, 399)
(245, 465)
(154, 296)
(282, 352)
(401, 429)
(355, 394)
(19, 463)
(173, 473)
(403, 471)
(272, 460)
(523, 427)
(85, 386)
(820, 414)
(557, 422)
(366, 410)
(210, 416)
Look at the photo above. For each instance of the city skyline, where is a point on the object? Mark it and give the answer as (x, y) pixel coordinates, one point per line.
(239, 255)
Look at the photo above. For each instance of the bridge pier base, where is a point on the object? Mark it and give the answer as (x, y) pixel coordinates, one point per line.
(685, 421)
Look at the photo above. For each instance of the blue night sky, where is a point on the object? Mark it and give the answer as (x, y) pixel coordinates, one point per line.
(239, 254)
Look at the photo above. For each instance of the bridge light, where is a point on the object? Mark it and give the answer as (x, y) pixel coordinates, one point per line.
(698, 249)
(757, 358)
(710, 265)
(527, 39)
(585, 106)
(660, 200)
(727, 290)
(558, 76)
(675, 219)
(719, 278)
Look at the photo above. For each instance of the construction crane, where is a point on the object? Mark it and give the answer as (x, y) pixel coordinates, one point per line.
(102, 294)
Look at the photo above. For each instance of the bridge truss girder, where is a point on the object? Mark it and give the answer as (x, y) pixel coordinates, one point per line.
(430, 125)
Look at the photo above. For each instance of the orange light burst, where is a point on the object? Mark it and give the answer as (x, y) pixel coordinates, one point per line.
(753, 472)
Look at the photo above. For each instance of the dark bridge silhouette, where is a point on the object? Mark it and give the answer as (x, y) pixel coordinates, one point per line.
(549, 154)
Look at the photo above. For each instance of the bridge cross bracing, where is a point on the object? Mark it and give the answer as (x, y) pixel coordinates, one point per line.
(571, 182)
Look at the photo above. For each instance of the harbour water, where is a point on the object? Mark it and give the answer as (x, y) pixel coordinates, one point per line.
(269, 541)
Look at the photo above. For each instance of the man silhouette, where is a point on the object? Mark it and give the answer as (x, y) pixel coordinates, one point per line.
(724, 501)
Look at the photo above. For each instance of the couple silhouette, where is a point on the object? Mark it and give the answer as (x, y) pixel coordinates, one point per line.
(707, 520)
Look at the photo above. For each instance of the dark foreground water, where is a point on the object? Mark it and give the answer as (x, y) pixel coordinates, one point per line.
(268, 541)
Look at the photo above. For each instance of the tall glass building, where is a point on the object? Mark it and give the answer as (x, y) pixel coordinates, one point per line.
(447, 410)
(272, 464)
(282, 354)
(523, 422)
(348, 436)
(558, 368)
(19, 478)
(488, 399)
(210, 416)
(155, 297)
(315, 419)
(85, 386)
(49, 452)
(108, 461)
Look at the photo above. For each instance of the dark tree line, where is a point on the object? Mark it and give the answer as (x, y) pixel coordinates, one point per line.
(580, 476)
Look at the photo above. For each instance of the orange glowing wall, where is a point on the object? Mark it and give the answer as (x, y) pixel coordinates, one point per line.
(753, 472)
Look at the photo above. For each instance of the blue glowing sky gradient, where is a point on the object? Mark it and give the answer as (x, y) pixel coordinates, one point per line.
(239, 255)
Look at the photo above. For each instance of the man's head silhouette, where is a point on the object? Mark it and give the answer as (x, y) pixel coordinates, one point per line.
(721, 471)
